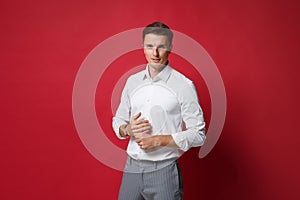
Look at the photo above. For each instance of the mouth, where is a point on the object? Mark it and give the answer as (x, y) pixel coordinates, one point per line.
(155, 60)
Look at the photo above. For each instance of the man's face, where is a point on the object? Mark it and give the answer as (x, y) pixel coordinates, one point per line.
(157, 50)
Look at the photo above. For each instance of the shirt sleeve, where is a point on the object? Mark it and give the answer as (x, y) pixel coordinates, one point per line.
(192, 116)
(123, 112)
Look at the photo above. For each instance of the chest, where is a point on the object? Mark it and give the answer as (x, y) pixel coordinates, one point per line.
(154, 95)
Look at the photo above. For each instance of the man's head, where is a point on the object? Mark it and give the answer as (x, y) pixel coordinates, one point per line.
(158, 28)
(157, 41)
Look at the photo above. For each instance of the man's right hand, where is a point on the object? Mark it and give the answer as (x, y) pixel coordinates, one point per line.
(138, 128)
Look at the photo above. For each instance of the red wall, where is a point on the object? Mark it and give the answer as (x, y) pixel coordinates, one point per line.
(255, 45)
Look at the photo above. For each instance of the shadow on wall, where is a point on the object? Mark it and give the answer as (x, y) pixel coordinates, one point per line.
(220, 175)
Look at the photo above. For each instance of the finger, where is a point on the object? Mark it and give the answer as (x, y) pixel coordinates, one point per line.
(142, 128)
(145, 128)
(136, 131)
(146, 133)
(135, 127)
(143, 121)
(135, 117)
(141, 144)
(143, 133)
(139, 136)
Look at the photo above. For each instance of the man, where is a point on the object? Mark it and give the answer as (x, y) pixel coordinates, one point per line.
(154, 105)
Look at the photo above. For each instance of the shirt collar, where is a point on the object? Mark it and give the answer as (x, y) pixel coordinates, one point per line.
(163, 75)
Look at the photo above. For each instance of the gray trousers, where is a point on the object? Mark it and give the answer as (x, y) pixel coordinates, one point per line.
(150, 180)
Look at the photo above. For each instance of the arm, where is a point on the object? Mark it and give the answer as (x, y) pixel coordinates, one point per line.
(192, 115)
(149, 142)
(122, 124)
(122, 116)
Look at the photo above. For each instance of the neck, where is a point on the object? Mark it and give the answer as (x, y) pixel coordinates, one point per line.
(154, 71)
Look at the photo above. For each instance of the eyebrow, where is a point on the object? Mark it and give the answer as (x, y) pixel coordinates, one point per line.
(159, 46)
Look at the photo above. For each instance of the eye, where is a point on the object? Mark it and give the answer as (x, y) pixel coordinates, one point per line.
(148, 46)
(162, 47)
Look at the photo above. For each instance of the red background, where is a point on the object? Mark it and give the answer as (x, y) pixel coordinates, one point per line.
(255, 45)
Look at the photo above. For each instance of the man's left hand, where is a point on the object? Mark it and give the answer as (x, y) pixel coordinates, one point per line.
(149, 142)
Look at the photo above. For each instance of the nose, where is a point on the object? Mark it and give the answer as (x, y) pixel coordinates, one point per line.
(155, 52)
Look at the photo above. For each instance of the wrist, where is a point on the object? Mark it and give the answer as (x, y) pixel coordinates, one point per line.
(163, 140)
(124, 130)
(158, 140)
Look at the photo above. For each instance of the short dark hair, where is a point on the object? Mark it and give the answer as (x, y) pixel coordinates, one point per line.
(158, 28)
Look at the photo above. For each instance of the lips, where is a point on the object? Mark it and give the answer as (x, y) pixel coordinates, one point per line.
(155, 60)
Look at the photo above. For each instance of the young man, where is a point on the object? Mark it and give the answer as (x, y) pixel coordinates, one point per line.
(154, 104)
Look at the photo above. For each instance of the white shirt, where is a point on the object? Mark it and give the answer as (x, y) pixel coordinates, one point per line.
(166, 101)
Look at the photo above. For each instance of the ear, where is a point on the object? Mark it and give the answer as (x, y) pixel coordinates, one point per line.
(170, 48)
(143, 47)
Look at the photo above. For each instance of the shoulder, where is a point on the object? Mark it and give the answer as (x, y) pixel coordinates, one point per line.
(137, 76)
(134, 80)
(181, 80)
(182, 86)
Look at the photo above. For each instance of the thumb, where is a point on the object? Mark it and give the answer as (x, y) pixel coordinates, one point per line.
(135, 117)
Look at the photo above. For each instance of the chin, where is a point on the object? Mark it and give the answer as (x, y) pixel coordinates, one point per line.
(157, 65)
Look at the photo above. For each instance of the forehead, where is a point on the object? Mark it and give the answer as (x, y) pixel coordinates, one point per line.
(155, 39)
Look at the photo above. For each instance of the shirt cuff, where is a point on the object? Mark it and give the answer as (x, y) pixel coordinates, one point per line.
(188, 138)
(180, 141)
(116, 126)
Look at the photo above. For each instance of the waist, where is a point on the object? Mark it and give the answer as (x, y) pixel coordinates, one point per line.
(141, 166)
(155, 154)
